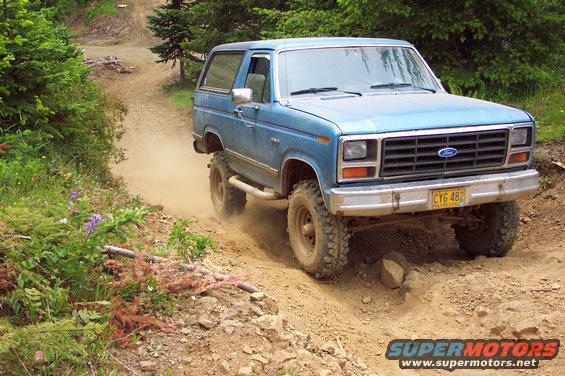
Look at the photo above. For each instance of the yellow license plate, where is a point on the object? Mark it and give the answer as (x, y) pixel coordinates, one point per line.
(448, 198)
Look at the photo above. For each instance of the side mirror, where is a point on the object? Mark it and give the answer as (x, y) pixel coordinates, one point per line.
(241, 96)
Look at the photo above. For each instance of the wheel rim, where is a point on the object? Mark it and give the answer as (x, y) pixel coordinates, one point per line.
(305, 230)
(217, 188)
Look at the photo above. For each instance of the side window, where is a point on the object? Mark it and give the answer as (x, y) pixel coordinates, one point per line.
(221, 72)
(259, 79)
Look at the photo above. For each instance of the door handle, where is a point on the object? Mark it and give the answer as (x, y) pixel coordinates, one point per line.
(239, 113)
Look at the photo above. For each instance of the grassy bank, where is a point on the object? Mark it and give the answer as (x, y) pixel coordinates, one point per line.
(548, 107)
(55, 293)
(63, 302)
(180, 95)
(102, 7)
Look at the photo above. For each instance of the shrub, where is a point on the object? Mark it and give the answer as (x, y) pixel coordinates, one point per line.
(512, 44)
(44, 87)
(59, 10)
(187, 245)
(62, 347)
(49, 235)
(104, 7)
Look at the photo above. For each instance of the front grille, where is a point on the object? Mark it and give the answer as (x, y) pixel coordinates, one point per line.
(419, 154)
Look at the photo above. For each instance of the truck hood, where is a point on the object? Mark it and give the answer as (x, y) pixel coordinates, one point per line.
(402, 112)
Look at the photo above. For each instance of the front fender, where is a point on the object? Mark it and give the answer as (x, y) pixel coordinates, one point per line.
(312, 162)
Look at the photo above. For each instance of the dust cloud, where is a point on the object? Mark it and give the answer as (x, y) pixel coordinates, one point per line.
(165, 171)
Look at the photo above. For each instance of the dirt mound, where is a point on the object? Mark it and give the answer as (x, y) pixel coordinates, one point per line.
(127, 27)
(103, 28)
(111, 63)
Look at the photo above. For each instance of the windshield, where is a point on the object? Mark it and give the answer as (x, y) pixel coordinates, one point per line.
(325, 71)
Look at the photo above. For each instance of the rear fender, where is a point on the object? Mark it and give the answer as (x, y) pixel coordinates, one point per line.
(210, 130)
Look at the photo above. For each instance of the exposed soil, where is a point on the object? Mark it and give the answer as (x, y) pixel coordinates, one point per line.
(457, 297)
(128, 27)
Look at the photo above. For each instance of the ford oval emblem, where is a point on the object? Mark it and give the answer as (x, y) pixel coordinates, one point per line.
(447, 152)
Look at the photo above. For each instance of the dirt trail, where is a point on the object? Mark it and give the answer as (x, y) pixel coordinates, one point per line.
(525, 286)
(161, 165)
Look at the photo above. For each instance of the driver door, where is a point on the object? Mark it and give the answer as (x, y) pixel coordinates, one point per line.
(253, 138)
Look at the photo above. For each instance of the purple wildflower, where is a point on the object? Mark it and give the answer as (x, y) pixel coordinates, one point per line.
(73, 197)
(92, 222)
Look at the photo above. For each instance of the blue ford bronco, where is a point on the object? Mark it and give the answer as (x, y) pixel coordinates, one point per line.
(356, 134)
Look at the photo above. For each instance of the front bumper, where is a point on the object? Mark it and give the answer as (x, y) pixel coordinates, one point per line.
(379, 200)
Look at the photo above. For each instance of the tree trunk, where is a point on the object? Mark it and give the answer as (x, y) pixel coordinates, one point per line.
(182, 72)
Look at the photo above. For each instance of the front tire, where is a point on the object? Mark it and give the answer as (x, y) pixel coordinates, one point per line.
(496, 235)
(227, 199)
(319, 239)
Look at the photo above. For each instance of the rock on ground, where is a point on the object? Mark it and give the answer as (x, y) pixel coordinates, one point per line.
(206, 323)
(208, 302)
(411, 286)
(272, 326)
(147, 365)
(397, 257)
(391, 273)
(257, 296)
(245, 371)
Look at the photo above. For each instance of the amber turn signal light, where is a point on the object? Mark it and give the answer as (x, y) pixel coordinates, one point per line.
(355, 172)
(323, 140)
(519, 157)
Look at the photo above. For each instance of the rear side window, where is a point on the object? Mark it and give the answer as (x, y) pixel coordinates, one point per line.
(221, 71)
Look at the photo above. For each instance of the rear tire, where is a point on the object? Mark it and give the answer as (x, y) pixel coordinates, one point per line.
(227, 199)
(319, 239)
(496, 235)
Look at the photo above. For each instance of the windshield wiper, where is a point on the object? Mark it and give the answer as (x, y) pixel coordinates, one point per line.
(425, 88)
(390, 84)
(314, 90)
(359, 94)
(401, 84)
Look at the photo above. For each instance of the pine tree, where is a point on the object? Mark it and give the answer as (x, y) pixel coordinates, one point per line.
(168, 23)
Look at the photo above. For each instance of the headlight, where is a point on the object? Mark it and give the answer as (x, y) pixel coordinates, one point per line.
(354, 150)
(520, 137)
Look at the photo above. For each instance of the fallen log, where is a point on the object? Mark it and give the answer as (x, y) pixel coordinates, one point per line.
(16, 236)
(559, 164)
(112, 250)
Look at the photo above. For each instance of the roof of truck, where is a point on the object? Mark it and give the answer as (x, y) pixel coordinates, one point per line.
(278, 44)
